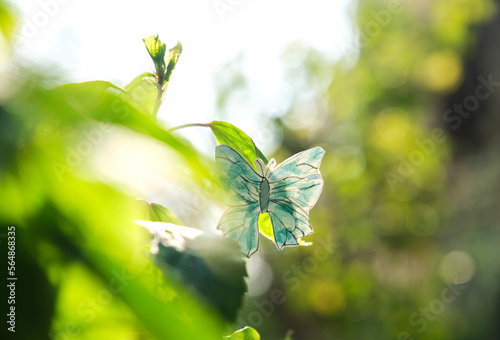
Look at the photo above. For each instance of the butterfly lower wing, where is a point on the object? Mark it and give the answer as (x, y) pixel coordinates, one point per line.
(241, 224)
(289, 223)
(295, 186)
(242, 184)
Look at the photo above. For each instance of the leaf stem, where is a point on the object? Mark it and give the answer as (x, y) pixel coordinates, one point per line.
(159, 97)
(187, 125)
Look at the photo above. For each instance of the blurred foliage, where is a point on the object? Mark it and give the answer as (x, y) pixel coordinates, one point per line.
(95, 272)
(143, 91)
(405, 242)
(87, 250)
(387, 213)
(211, 264)
(7, 19)
(156, 213)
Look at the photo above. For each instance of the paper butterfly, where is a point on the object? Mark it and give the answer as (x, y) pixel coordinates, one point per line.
(286, 192)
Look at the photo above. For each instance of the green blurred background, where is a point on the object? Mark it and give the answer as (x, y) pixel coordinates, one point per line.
(410, 201)
(406, 230)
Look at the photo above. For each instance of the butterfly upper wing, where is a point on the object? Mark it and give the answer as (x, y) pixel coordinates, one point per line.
(295, 186)
(240, 221)
(241, 180)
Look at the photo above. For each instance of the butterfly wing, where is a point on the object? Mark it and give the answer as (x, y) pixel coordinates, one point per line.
(295, 186)
(241, 224)
(240, 221)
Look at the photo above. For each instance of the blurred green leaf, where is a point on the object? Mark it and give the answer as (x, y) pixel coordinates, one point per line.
(9, 132)
(247, 333)
(70, 222)
(7, 20)
(156, 213)
(228, 134)
(288, 335)
(211, 264)
(143, 92)
(106, 102)
(105, 242)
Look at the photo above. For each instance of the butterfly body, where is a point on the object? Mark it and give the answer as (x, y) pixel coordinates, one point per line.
(264, 195)
(286, 192)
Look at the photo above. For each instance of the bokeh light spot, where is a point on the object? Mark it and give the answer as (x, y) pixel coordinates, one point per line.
(326, 298)
(392, 124)
(260, 276)
(457, 267)
(442, 71)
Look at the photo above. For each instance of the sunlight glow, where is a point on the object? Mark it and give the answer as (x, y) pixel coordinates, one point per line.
(90, 40)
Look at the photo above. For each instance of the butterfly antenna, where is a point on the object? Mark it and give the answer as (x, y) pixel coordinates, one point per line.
(260, 164)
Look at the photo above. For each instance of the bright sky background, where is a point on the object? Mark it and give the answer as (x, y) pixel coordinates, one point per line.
(90, 40)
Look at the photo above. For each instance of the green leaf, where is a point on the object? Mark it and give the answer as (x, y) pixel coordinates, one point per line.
(265, 226)
(247, 333)
(156, 213)
(156, 50)
(176, 50)
(143, 91)
(173, 56)
(228, 134)
(7, 21)
(211, 264)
